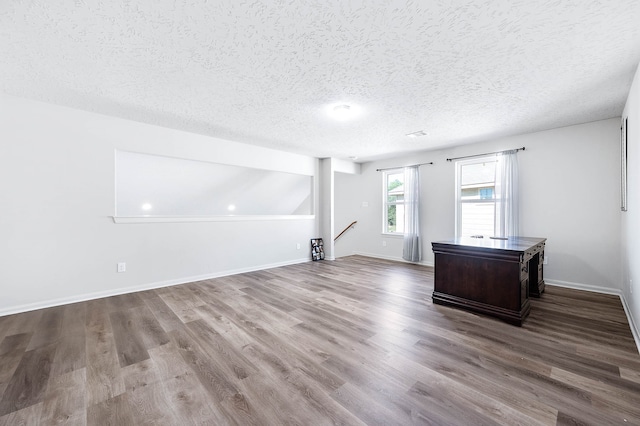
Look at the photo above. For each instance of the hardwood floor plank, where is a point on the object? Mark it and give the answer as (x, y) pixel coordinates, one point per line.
(333, 344)
(128, 340)
(260, 312)
(29, 381)
(71, 355)
(630, 374)
(124, 302)
(274, 407)
(369, 411)
(151, 332)
(613, 398)
(48, 329)
(379, 387)
(624, 359)
(135, 331)
(190, 404)
(167, 319)
(223, 325)
(176, 385)
(114, 411)
(461, 406)
(300, 392)
(11, 352)
(25, 322)
(572, 361)
(563, 356)
(572, 401)
(357, 319)
(212, 379)
(285, 304)
(505, 390)
(229, 360)
(333, 323)
(151, 405)
(25, 417)
(104, 376)
(182, 309)
(306, 354)
(64, 401)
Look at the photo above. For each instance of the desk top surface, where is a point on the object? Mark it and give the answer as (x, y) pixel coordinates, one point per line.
(511, 243)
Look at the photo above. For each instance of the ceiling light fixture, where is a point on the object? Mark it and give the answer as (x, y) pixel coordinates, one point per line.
(343, 112)
(417, 134)
(341, 109)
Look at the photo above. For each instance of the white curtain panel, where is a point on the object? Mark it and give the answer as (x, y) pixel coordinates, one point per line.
(411, 249)
(507, 212)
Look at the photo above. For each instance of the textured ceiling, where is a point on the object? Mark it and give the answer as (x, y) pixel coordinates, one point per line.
(264, 72)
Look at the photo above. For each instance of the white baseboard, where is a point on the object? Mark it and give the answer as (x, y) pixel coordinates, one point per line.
(585, 287)
(634, 327)
(604, 290)
(148, 286)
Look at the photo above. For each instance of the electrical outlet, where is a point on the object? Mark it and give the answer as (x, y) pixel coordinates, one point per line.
(298, 246)
(384, 243)
(122, 267)
(545, 259)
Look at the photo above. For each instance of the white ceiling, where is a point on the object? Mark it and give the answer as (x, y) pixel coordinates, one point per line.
(264, 72)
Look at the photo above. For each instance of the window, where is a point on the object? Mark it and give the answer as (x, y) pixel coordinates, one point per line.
(476, 196)
(393, 203)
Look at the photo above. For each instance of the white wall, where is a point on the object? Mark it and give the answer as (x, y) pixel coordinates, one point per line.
(58, 242)
(348, 207)
(569, 185)
(332, 169)
(631, 218)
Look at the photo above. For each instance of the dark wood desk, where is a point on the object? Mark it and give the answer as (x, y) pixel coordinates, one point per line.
(490, 276)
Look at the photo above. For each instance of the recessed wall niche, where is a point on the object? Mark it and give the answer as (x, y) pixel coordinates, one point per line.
(150, 185)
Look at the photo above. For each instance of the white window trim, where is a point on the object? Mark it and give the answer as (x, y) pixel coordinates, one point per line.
(385, 203)
(458, 200)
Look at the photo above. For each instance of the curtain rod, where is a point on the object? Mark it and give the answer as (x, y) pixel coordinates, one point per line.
(488, 153)
(399, 167)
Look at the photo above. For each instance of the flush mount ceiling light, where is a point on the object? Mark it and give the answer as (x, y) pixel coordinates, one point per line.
(417, 134)
(343, 112)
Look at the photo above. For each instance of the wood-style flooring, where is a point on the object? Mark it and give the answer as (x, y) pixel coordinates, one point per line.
(353, 341)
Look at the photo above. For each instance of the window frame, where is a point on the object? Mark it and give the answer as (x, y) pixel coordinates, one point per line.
(458, 191)
(386, 203)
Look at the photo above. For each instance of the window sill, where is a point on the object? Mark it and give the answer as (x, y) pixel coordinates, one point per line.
(396, 235)
(183, 219)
